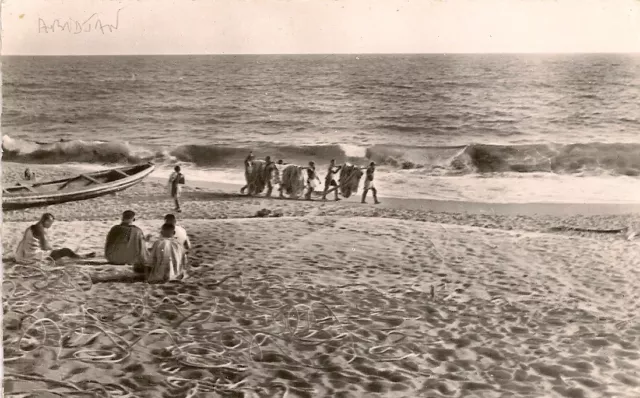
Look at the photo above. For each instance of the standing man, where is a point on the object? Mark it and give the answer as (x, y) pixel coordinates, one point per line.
(368, 183)
(248, 164)
(176, 180)
(312, 177)
(269, 168)
(280, 164)
(330, 180)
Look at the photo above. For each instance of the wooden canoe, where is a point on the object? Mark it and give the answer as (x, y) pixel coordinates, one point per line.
(81, 187)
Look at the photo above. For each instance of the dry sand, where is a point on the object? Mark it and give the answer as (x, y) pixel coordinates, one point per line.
(332, 299)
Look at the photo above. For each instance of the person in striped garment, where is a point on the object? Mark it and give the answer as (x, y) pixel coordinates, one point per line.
(35, 245)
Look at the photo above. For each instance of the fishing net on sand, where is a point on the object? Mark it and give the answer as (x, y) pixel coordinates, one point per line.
(235, 336)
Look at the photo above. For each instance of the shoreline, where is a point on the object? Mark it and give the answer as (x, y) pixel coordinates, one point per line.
(451, 206)
(195, 188)
(544, 193)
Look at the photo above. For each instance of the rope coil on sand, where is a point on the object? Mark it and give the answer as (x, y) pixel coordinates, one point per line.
(274, 326)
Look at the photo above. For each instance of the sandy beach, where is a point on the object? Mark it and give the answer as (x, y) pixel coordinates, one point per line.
(410, 298)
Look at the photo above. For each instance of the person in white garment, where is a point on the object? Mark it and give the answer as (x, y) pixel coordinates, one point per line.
(181, 233)
(167, 258)
(35, 245)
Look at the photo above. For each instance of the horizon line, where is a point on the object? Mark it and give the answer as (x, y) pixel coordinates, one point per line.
(329, 54)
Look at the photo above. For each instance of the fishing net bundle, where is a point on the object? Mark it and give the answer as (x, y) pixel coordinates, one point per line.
(349, 180)
(257, 178)
(293, 180)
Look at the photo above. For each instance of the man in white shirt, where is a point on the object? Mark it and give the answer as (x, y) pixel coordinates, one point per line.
(180, 233)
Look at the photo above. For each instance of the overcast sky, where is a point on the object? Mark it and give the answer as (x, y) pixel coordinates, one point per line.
(320, 26)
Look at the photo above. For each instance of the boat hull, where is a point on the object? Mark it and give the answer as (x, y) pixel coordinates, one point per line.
(17, 202)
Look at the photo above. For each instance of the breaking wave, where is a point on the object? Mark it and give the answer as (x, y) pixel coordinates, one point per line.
(116, 152)
(596, 158)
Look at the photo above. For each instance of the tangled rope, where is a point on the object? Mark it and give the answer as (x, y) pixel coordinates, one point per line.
(270, 324)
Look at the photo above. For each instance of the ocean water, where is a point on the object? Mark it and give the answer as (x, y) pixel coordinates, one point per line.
(496, 128)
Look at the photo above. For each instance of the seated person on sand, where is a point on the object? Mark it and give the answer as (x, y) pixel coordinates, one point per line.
(181, 234)
(29, 175)
(126, 244)
(35, 246)
(167, 259)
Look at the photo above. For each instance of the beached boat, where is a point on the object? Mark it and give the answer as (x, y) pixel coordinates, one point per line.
(81, 187)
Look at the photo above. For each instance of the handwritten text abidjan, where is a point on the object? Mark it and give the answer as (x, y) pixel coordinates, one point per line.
(69, 25)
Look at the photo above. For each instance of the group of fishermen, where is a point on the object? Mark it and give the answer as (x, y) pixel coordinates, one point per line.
(125, 244)
(330, 182)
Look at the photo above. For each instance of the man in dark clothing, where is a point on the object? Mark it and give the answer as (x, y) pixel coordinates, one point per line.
(126, 244)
